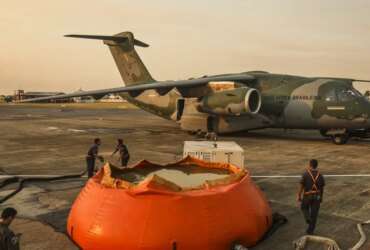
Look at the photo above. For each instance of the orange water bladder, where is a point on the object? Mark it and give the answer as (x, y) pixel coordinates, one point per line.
(187, 205)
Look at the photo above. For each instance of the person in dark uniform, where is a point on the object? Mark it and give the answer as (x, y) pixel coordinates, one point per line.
(123, 152)
(8, 240)
(311, 194)
(92, 154)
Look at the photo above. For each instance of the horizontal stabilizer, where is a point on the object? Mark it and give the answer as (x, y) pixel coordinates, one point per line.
(117, 39)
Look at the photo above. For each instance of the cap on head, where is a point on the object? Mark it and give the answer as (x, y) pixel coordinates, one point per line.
(8, 212)
(314, 163)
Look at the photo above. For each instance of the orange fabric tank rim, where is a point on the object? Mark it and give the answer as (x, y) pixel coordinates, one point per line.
(158, 184)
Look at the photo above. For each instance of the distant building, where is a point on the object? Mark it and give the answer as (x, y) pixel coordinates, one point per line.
(18, 95)
(84, 99)
(112, 98)
(22, 95)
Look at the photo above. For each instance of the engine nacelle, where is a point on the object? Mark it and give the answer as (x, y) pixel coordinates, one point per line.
(237, 101)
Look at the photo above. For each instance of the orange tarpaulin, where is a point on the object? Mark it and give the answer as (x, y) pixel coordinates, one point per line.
(157, 213)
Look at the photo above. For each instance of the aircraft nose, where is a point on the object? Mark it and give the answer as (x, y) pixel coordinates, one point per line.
(363, 113)
(366, 117)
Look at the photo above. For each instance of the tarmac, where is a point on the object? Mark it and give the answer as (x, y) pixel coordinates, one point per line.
(53, 140)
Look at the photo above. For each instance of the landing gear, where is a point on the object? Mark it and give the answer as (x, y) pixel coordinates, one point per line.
(191, 132)
(324, 132)
(211, 136)
(338, 136)
(340, 139)
(201, 134)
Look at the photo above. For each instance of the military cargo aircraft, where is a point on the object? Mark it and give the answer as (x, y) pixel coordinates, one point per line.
(237, 102)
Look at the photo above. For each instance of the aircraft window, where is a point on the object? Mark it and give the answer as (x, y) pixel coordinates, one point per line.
(358, 93)
(331, 96)
(345, 95)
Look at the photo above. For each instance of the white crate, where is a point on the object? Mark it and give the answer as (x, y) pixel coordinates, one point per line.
(220, 151)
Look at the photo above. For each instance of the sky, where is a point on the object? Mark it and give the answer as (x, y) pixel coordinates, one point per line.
(188, 39)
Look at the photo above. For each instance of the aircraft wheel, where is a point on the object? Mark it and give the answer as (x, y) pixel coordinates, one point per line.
(211, 136)
(323, 132)
(340, 139)
(207, 136)
(200, 134)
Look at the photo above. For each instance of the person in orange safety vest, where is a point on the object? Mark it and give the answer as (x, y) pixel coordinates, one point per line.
(311, 194)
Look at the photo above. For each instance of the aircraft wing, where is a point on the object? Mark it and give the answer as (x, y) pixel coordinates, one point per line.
(161, 87)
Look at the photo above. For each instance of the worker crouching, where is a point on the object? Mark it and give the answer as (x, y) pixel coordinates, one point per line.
(124, 155)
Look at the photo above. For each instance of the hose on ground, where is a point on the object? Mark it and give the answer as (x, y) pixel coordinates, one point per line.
(300, 244)
(22, 181)
(362, 240)
(278, 221)
(239, 247)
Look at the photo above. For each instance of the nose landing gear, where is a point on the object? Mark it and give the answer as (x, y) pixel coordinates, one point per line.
(340, 139)
(341, 136)
(338, 136)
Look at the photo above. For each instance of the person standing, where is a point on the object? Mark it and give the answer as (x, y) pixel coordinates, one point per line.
(92, 154)
(8, 240)
(123, 152)
(310, 194)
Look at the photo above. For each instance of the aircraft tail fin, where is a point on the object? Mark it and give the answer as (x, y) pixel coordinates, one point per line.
(129, 64)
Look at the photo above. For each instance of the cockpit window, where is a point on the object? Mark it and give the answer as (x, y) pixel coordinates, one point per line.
(358, 93)
(347, 94)
(343, 94)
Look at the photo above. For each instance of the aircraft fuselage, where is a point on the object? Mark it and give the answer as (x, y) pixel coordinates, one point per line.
(290, 102)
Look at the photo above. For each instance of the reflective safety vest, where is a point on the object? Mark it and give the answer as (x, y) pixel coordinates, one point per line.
(314, 188)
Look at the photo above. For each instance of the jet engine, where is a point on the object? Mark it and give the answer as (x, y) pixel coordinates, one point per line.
(237, 101)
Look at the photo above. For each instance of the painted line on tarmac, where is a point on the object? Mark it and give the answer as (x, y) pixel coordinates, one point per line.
(300, 176)
(33, 176)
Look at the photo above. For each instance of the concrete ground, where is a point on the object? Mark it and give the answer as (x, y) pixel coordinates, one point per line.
(54, 141)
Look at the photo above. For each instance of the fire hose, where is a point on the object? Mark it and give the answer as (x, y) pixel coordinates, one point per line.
(22, 180)
(362, 240)
(300, 244)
